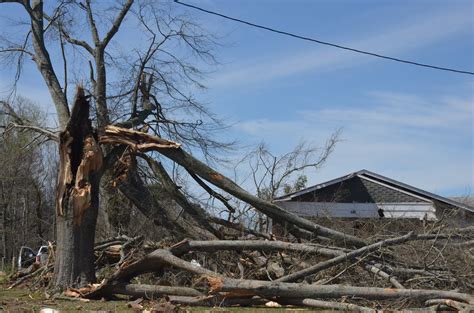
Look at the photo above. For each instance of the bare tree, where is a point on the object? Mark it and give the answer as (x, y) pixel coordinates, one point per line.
(272, 175)
(144, 85)
(26, 209)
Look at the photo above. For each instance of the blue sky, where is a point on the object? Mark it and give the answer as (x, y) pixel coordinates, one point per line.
(412, 124)
(409, 123)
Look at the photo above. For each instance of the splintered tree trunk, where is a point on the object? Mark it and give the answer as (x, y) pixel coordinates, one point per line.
(77, 198)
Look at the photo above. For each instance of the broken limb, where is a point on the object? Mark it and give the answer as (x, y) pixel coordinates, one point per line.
(330, 305)
(152, 291)
(343, 257)
(239, 227)
(449, 304)
(268, 289)
(135, 190)
(377, 271)
(212, 193)
(137, 140)
(214, 245)
(217, 301)
(194, 211)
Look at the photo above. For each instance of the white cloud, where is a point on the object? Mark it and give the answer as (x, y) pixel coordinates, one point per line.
(427, 143)
(396, 41)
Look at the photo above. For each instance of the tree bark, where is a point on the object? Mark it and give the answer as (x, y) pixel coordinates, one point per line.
(300, 290)
(261, 245)
(329, 305)
(152, 291)
(77, 198)
(43, 61)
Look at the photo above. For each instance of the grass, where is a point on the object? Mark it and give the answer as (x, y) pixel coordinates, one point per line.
(23, 300)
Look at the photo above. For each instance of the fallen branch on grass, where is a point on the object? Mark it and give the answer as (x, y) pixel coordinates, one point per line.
(268, 289)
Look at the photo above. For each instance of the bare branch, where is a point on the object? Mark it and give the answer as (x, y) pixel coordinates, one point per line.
(116, 25)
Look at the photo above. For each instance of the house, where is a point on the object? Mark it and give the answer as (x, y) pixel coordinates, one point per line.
(367, 195)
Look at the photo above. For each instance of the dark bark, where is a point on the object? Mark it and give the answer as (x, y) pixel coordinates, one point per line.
(136, 191)
(77, 198)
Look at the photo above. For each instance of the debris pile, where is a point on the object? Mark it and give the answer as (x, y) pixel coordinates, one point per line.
(311, 266)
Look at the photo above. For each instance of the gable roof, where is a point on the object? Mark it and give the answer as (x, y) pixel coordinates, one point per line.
(382, 180)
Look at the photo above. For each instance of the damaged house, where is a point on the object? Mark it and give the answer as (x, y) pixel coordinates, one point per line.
(367, 195)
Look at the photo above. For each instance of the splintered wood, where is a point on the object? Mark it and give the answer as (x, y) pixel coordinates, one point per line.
(136, 140)
(80, 158)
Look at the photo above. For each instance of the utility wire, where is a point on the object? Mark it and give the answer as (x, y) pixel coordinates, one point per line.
(325, 42)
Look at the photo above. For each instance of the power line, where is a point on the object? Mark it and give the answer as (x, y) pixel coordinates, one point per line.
(325, 42)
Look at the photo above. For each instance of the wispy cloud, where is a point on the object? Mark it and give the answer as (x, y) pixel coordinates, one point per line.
(394, 41)
(427, 142)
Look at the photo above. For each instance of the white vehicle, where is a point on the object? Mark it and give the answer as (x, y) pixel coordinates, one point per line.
(27, 256)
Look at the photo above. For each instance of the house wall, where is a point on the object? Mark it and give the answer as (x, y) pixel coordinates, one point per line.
(416, 210)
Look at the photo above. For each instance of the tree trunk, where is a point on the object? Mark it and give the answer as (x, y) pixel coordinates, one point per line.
(77, 198)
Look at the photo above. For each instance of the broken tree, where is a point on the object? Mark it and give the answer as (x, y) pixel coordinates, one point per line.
(77, 198)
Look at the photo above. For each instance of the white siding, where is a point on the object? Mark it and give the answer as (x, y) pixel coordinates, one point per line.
(418, 210)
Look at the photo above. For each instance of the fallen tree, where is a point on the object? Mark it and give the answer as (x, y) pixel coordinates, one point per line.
(139, 141)
(293, 290)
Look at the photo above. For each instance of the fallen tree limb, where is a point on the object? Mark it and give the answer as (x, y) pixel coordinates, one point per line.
(300, 290)
(154, 261)
(212, 193)
(137, 140)
(449, 304)
(343, 257)
(379, 272)
(239, 227)
(152, 291)
(28, 276)
(326, 305)
(216, 300)
(214, 245)
(170, 187)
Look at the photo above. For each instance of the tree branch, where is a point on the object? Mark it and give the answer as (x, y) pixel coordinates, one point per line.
(116, 25)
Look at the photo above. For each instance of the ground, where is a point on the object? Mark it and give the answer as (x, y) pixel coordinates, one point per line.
(22, 300)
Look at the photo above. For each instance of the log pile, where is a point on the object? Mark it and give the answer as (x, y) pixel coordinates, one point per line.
(314, 266)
